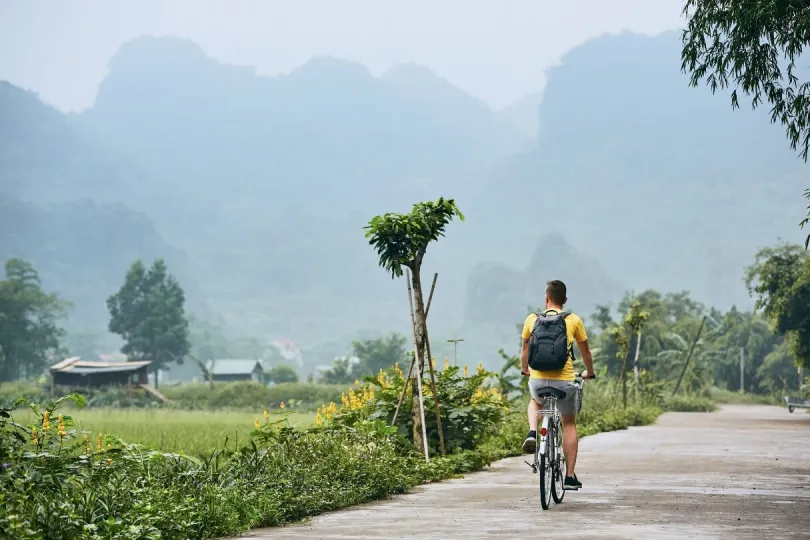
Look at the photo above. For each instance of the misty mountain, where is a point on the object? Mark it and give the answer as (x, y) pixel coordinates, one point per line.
(631, 180)
(82, 250)
(498, 296)
(665, 185)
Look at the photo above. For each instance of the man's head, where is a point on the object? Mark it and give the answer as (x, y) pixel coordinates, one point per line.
(555, 293)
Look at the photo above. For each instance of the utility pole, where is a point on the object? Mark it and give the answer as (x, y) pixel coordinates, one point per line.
(742, 370)
(455, 343)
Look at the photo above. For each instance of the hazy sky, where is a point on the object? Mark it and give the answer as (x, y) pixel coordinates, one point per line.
(495, 49)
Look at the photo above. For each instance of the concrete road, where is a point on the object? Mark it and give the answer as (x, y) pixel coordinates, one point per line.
(742, 472)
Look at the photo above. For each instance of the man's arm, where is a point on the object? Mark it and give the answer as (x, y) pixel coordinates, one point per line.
(524, 348)
(584, 349)
(524, 357)
(587, 357)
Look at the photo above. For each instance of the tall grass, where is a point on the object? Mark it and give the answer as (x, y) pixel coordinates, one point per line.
(195, 433)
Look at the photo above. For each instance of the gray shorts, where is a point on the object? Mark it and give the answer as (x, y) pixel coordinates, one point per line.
(567, 406)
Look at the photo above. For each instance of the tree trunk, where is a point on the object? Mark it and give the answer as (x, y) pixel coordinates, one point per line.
(624, 378)
(635, 358)
(156, 379)
(419, 332)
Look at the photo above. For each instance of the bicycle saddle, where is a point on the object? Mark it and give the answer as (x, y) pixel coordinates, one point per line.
(549, 391)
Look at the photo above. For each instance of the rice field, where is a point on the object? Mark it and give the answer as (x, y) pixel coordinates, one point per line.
(196, 433)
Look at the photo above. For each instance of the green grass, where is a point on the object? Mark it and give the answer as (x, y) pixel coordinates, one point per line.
(197, 433)
(735, 398)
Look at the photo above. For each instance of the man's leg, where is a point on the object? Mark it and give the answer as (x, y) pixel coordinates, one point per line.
(570, 443)
(530, 444)
(533, 419)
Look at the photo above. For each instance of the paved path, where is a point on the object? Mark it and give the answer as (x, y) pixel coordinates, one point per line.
(742, 472)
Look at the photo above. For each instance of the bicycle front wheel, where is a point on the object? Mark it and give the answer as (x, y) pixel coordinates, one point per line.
(546, 478)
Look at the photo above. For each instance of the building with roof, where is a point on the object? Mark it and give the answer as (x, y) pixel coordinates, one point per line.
(234, 369)
(86, 373)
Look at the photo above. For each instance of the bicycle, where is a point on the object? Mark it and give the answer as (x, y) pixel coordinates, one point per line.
(549, 459)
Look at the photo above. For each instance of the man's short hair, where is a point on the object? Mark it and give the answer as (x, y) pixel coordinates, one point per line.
(556, 291)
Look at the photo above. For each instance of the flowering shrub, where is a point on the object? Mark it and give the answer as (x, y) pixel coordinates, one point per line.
(470, 410)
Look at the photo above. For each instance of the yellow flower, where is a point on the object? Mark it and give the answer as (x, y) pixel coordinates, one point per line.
(100, 443)
(46, 423)
(266, 414)
(466, 371)
(480, 367)
(357, 381)
(109, 446)
(318, 418)
(282, 406)
(344, 400)
(332, 408)
(446, 363)
(60, 430)
(35, 436)
(256, 423)
(109, 461)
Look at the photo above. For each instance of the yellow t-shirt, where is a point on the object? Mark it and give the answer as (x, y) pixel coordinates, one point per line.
(576, 333)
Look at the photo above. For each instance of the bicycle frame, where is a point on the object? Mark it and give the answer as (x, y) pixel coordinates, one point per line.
(548, 412)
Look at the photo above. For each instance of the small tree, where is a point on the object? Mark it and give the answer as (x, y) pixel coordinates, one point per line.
(754, 46)
(29, 316)
(780, 281)
(283, 373)
(148, 313)
(401, 241)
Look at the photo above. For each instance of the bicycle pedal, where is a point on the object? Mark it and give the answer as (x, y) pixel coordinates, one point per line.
(534, 467)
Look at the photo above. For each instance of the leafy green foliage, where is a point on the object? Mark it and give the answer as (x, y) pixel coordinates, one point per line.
(469, 409)
(65, 483)
(780, 279)
(401, 240)
(29, 317)
(148, 313)
(733, 43)
(690, 403)
(373, 355)
(283, 373)
(741, 44)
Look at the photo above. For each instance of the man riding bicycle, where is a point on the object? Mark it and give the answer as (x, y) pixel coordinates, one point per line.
(546, 357)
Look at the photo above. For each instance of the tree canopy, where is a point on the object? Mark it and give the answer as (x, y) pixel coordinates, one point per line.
(148, 313)
(780, 279)
(754, 47)
(29, 329)
(401, 240)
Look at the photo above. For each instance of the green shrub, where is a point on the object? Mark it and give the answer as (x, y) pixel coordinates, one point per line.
(689, 403)
(735, 398)
(248, 394)
(469, 410)
(61, 483)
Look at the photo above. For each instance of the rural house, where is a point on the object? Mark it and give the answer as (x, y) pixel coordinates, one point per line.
(229, 370)
(86, 373)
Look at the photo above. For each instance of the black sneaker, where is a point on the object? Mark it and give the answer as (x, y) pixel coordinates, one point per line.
(571, 483)
(530, 444)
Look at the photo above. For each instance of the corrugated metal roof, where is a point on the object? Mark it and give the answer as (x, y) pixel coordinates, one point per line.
(232, 366)
(77, 365)
(110, 369)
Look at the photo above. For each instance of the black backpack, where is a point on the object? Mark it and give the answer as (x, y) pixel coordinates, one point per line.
(549, 349)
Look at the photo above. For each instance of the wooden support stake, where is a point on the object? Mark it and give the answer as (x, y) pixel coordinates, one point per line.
(404, 390)
(435, 396)
(689, 356)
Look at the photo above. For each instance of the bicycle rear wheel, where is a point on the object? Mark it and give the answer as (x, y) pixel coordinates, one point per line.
(546, 477)
(558, 483)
